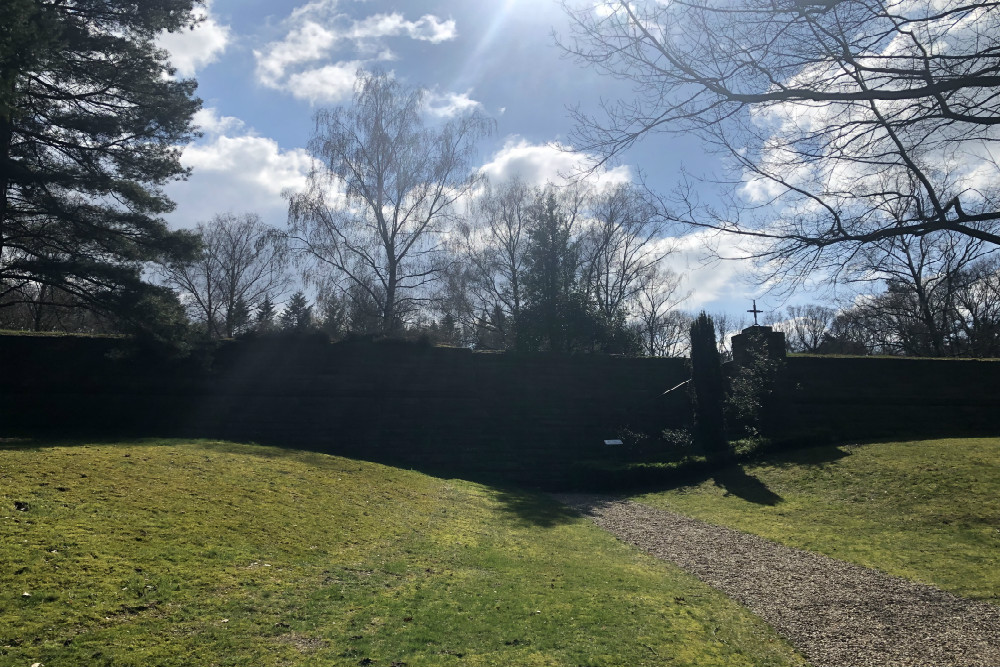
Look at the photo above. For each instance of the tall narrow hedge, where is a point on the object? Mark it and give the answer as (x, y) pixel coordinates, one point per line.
(709, 389)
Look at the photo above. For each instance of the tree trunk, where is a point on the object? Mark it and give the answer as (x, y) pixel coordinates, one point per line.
(6, 137)
(389, 308)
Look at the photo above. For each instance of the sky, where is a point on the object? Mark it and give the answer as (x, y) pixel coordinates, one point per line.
(265, 66)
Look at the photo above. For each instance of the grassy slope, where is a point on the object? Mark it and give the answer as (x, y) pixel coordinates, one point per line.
(928, 511)
(181, 553)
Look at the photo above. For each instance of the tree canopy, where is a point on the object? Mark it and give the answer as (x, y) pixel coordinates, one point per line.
(91, 124)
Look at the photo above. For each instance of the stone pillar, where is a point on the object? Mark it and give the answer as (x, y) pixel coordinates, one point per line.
(758, 337)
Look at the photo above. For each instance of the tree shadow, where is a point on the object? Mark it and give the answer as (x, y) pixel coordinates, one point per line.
(796, 453)
(19, 444)
(523, 491)
(531, 508)
(735, 481)
(734, 478)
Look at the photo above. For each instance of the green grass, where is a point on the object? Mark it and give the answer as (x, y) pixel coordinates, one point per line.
(211, 553)
(928, 511)
(56, 334)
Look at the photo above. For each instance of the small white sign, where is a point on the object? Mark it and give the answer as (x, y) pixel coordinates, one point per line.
(613, 442)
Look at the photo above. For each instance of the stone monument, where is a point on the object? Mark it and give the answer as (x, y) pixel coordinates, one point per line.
(758, 337)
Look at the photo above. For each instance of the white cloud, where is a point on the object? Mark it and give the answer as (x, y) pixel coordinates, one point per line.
(305, 43)
(235, 170)
(538, 164)
(333, 83)
(311, 61)
(448, 105)
(191, 50)
(428, 28)
(715, 284)
(315, 8)
(210, 122)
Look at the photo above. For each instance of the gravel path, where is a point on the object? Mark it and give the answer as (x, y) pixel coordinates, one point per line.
(835, 613)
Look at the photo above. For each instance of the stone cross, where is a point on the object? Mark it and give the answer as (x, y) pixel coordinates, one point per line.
(755, 311)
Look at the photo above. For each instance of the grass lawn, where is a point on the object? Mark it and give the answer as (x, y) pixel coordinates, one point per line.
(928, 511)
(211, 553)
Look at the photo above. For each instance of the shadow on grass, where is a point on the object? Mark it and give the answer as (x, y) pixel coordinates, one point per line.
(535, 509)
(734, 480)
(12, 444)
(519, 484)
(798, 454)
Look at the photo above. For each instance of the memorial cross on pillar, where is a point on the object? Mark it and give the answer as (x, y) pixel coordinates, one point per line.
(755, 311)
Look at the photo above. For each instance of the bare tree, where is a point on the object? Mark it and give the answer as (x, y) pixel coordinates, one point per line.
(622, 244)
(493, 250)
(242, 262)
(807, 326)
(949, 314)
(924, 276)
(850, 333)
(664, 330)
(727, 326)
(38, 306)
(380, 194)
(977, 304)
(846, 123)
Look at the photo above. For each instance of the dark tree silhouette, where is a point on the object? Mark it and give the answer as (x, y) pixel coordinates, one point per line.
(264, 317)
(297, 315)
(709, 389)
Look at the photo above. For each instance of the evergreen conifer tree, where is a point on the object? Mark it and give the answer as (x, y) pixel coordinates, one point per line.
(264, 321)
(709, 389)
(556, 317)
(91, 120)
(297, 316)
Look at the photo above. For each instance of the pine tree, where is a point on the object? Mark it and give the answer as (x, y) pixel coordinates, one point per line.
(550, 278)
(448, 332)
(297, 316)
(90, 123)
(558, 315)
(264, 320)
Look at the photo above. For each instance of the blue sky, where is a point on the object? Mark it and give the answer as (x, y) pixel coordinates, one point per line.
(264, 67)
